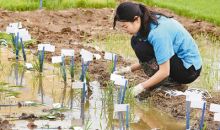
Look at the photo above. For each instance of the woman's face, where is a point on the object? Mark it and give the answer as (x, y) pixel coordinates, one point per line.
(132, 27)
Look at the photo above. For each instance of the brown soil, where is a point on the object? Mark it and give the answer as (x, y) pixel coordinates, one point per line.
(69, 28)
(5, 125)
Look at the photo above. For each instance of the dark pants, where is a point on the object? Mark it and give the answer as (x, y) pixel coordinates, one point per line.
(145, 53)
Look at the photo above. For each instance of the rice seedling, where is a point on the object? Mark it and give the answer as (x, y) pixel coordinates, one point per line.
(84, 73)
(23, 5)
(72, 69)
(16, 45)
(63, 70)
(23, 51)
(38, 64)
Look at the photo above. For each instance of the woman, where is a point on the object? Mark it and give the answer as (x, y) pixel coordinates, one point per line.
(159, 38)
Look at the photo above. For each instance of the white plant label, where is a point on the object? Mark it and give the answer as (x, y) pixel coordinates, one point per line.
(215, 108)
(86, 55)
(217, 117)
(28, 65)
(56, 105)
(193, 97)
(56, 59)
(23, 33)
(47, 47)
(120, 107)
(15, 25)
(78, 128)
(113, 77)
(67, 52)
(197, 104)
(97, 56)
(109, 56)
(26, 38)
(11, 30)
(120, 81)
(77, 85)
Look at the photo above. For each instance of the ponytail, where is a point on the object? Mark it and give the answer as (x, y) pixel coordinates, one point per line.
(146, 18)
(127, 11)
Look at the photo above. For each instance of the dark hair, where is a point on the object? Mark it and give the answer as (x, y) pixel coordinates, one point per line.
(126, 12)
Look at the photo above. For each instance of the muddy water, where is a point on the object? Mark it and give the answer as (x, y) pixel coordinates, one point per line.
(46, 89)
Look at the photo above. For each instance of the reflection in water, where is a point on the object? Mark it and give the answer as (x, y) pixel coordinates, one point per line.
(17, 73)
(64, 94)
(93, 112)
(40, 89)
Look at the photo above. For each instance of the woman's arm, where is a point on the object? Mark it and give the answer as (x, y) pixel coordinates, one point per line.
(160, 75)
(135, 67)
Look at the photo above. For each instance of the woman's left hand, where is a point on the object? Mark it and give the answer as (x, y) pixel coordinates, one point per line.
(137, 89)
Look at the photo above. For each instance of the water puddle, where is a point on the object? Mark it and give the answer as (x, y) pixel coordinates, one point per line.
(51, 104)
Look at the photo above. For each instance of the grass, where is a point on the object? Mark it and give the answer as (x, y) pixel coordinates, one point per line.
(196, 9)
(23, 5)
(115, 43)
(8, 38)
(209, 48)
(210, 75)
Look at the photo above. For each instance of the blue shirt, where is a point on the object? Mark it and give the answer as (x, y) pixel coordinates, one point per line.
(169, 38)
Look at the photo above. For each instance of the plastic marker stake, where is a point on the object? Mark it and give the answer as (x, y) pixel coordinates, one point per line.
(83, 92)
(187, 115)
(56, 59)
(72, 67)
(23, 51)
(127, 116)
(41, 4)
(215, 108)
(16, 45)
(67, 52)
(77, 85)
(42, 60)
(216, 116)
(115, 63)
(63, 68)
(109, 56)
(82, 73)
(119, 95)
(124, 91)
(123, 108)
(202, 117)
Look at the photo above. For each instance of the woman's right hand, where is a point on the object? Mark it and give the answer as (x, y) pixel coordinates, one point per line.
(123, 70)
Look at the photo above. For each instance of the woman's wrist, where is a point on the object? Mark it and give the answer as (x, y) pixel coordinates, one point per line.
(135, 67)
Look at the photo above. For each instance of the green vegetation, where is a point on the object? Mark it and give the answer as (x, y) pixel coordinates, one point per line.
(196, 9)
(22, 5)
(209, 48)
(7, 90)
(115, 43)
(8, 39)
